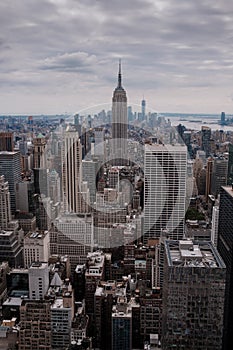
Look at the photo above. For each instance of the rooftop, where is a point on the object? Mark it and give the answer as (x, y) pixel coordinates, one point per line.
(188, 253)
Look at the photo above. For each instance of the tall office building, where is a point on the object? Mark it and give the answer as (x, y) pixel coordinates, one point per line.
(39, 144)
(71, 171)
(119, 123)
(225, 248)
(205, 139)
(11, 169)
(193, 296)
(5, 205)
(165, 168)
(122, 325)
(230, 165)
(6, 141)
(219, 174)
(89, 171)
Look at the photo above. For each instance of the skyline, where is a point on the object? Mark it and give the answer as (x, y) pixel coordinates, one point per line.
(56, 58)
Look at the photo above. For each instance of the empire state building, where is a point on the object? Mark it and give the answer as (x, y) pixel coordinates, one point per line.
(119, 123)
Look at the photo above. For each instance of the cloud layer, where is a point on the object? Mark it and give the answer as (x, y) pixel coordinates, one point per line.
(61, 55)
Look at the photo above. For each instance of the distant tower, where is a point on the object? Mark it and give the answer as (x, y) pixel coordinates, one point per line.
(71, 170)
(143, 109)
(223, 118)
(119, 122)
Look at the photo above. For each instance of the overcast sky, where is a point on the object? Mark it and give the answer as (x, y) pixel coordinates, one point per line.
(60, 56)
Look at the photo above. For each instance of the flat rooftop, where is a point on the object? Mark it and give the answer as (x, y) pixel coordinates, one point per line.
(189, 253)
(165, 147)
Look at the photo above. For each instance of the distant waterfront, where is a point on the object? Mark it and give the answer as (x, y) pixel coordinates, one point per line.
(195, 122)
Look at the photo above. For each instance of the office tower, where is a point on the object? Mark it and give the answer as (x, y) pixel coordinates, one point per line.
(11, 169)
(89, 171)
(93, 274)
(35, 326)
(193, 296)
(36, 247)
(61, 319)
(223, 118)
(119, 123)
(40, 177)
(165, 169)
(79, 283)
(209, 170)
(225, 248)
(205, 139)
(187, 140)
(5, 205)
(45, 212)
(39, 144)
(54, 186)
(99, 149)
(25, 196)
(38, 280)
(73, 236)
(77, 123)
(71, 170)
(214, 229)
(219, 174)
(230, 165)
(11, 249)
(6, 141)
(122, 325)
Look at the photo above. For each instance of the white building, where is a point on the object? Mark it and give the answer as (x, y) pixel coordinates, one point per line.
(38, 280)
(165, 168)
(36, 247)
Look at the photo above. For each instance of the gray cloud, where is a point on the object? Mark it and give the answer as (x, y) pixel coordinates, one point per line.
(167, 47)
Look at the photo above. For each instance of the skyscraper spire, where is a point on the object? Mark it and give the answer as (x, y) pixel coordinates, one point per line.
(119, 75)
